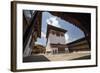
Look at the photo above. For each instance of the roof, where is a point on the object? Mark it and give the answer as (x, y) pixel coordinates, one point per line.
(81, 20)
(49, 27)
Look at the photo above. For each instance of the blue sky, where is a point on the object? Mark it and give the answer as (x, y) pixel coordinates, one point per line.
(73, 33)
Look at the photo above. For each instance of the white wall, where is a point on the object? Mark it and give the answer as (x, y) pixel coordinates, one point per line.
(56, 39)
(5, 37)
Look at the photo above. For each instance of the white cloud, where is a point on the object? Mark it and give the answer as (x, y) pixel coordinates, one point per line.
(48, 21)
(53, 21)
(43, 34)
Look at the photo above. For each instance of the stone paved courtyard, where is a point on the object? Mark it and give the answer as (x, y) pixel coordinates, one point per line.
(58, 57)
(68, 56)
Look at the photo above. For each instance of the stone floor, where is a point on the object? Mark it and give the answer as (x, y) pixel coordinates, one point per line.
(35, 58)
(69, 56)
(58, 57)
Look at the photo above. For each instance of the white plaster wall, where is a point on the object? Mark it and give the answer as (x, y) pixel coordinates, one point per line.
(55, 39)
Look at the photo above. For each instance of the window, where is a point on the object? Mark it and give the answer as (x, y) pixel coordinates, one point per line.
(58, 33)
(62, 34)
(53, 32)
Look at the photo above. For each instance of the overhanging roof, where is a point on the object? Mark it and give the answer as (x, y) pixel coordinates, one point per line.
(49, 27)
(81, 20)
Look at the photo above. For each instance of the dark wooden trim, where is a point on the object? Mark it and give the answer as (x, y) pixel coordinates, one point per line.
(96, 36)
(58, 45)
(14, 35)
(28, 31)
(70, 46)
(55, 4)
